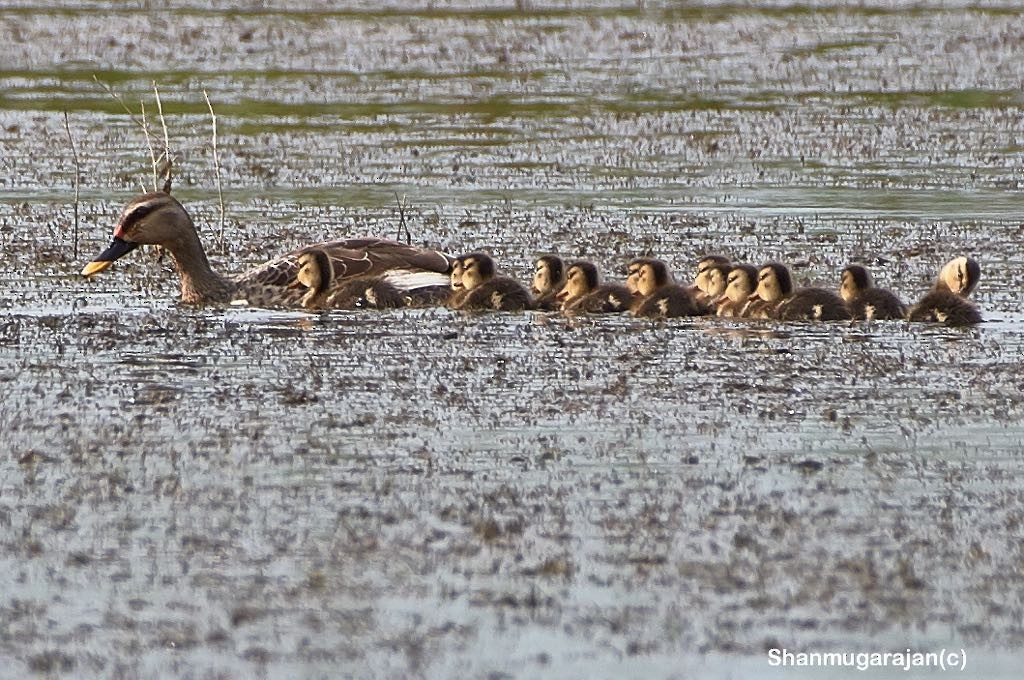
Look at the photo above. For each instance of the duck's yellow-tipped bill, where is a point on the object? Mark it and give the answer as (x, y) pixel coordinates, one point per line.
(95, 267)
(117, 248)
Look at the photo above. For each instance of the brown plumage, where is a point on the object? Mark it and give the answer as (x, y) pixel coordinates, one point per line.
(485, 290)
(583, 291)
(775, 286)
(701, 282)
(325, 291)
(740, 286)
(548, 279)
(947, 301)
(159, 219)
(656, 295)
(864, 300)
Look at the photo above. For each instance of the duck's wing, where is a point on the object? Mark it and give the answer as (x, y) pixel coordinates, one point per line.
(363, 257)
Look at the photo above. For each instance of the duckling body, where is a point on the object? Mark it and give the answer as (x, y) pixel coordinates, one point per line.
(484, 290)
(947, 301)
(656, 296)
(583, 291)
(323, 291)
(775, 286)
(740, 286)
(548, 279)
(866, 301)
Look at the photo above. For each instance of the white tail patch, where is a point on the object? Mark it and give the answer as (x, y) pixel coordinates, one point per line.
(404, 279)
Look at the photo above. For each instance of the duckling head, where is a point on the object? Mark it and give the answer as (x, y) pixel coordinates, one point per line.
(774, 282)
(548, 274)
(717, 280)
(315, 270)
(580, 278)
(476, 269)
(741, 284)
(456, 275)
(703, 265)
(960, 276)
(644, 275)
(855, 280)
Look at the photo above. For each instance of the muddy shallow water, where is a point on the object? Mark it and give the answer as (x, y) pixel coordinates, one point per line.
(224, 492)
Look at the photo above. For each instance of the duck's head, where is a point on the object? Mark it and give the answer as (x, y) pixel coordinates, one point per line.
(717, 280)
(476, 269)
(646, 275)
(315, 270)
(149, 219)
(548, 274)
(774, 282)
(960, 276)
(855, 280)
(741, 283)
(704, 265)
(580, 278)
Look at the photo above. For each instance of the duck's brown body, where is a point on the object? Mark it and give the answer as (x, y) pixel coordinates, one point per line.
(159, 219)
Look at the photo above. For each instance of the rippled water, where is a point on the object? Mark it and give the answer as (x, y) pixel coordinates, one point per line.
(226, 493)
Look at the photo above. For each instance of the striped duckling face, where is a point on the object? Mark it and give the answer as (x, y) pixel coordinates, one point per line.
(477, 268)
(644, 275)
(456, 277)
(774, 282)
(314, 270)
(704, 266)
(960, 276)
(580, 279)
(855, 280)
(548, 275)
(741, 284)
(717, 280)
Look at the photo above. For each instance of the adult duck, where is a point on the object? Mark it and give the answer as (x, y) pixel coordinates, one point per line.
(159, 219)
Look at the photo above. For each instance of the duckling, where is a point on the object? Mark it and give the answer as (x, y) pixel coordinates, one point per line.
(740, 286)
(458, 291)
(700, 282)
(864, 300)
(485, 290)
(316, 273)
(583, 291)
(548, 279)
(947, 301)
(775, 286)
(657, 297)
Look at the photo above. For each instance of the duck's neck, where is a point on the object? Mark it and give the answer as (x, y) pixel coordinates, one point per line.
(199, 283)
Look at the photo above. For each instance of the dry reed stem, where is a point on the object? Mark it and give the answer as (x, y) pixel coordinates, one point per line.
(78, 177)
(216, 167)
